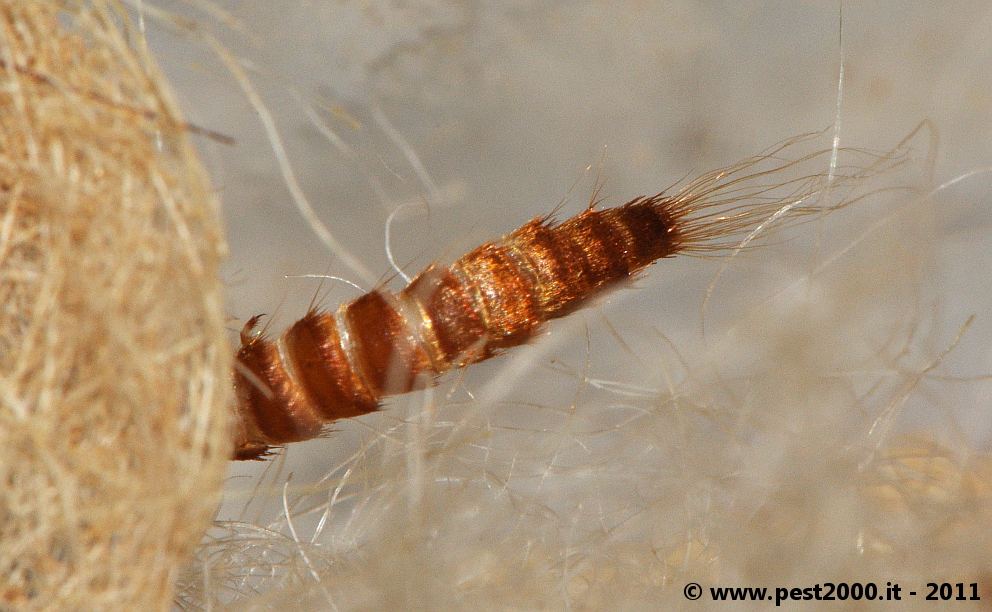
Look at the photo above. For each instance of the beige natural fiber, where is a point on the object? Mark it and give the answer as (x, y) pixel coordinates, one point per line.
(114, 366)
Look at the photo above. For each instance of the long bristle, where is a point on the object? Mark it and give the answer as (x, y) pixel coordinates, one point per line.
(726, 209)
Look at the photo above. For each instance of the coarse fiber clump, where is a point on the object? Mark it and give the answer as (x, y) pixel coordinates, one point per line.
(114, 371)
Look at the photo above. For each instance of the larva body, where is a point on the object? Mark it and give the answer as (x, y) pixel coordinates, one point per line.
(332, 365)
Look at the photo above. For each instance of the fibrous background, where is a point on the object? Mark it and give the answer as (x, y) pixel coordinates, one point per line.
(825, 422)
(113, 356)
(812, 410)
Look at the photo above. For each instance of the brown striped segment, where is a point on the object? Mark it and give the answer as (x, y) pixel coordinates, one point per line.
(388, 356)
(504, 293)
(570, 262)
(275, 410)
(457, 325)
(648, 228)
(322, 368)
(556, 264)
(601, 246)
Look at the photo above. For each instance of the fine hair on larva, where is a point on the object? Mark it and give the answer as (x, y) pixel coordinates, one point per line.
(333, 365)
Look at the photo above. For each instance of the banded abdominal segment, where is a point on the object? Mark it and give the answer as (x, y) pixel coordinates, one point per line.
(575, 260)
(329, 366)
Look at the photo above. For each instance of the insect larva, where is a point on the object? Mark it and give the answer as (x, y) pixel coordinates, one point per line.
(333, 365)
